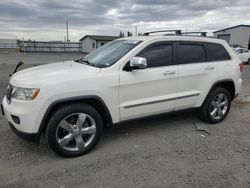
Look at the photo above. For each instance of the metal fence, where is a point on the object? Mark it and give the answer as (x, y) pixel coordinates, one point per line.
(51, 46)
(8, 44)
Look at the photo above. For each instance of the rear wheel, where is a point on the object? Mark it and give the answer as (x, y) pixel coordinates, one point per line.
(74, 130)
(216, 106)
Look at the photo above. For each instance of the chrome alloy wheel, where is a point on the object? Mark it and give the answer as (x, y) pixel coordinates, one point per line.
(219, 106)
(76, 131)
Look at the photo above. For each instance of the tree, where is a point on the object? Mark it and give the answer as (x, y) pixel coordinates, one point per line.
(129, 34)
(121, 34)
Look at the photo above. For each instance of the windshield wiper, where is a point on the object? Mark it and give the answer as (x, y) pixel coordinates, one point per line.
(77, 60)
(85, 62)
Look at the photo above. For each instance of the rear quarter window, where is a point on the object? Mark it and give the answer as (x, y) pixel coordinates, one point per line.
(216, 52)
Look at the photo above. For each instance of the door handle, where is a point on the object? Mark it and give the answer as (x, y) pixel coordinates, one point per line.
(169, 72)
(209, 68)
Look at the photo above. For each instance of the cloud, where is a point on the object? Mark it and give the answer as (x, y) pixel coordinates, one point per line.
(45, 19)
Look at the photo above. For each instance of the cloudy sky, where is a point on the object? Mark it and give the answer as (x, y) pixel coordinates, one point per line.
(45, 19)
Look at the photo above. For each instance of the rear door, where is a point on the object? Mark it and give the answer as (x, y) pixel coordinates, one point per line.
(199, 65)
(193, 72)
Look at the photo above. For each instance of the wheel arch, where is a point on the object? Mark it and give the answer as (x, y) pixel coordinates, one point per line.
(94, 101)
(228, 84)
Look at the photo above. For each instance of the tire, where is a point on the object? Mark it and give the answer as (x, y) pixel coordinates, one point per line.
(212, 103)
(74, 130)
(248, 62)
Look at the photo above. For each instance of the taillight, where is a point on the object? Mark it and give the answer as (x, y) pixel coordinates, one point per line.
(241, 67)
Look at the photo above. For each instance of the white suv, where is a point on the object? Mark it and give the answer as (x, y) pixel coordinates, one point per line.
(125, 79)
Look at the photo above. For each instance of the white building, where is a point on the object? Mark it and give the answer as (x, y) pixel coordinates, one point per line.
(92, 42)
(237, 35)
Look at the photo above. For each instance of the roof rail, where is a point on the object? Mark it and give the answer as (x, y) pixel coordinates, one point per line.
(202, 34)
(177, 32)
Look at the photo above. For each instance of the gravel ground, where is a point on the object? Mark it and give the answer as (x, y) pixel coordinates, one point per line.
(164, 151)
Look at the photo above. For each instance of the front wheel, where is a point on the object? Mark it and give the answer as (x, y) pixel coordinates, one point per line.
(74, 130)
(216, 106)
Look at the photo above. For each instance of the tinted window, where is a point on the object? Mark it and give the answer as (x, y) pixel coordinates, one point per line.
(244, 51)
(190, 52)
(238, 51)
(216, 52)
(158, 55)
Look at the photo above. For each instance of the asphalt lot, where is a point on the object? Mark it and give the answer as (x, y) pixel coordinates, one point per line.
(164, 151)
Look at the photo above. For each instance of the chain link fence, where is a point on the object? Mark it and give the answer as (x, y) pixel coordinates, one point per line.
(51, 46)
(8, 44)
(40, 46)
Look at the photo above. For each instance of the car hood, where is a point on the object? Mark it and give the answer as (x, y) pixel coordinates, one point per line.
(52, 73)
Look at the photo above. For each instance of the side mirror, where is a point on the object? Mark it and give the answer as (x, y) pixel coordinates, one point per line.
(138, 63)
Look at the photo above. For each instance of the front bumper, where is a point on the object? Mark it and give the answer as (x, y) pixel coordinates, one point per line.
(26, 136)
(26, 128)
(28, 113)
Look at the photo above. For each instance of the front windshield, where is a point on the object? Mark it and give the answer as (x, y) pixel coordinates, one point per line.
(110, 53)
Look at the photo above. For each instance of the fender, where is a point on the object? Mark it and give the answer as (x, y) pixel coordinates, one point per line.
(71, 99)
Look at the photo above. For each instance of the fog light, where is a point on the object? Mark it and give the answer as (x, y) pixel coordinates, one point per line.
(15, 119)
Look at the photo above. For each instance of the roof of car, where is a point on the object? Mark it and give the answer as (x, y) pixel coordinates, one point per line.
(174, 37)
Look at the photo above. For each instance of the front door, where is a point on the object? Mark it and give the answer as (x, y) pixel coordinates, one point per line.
(152, 90)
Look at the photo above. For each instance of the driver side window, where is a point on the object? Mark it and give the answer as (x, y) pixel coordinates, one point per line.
(158, 54)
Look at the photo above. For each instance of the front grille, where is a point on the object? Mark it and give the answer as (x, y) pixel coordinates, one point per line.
(8, 95)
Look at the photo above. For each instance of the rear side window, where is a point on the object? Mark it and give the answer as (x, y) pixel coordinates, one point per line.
(245, 51)
(190, 52)
(238, 51)
(216, 52)
(159, 54)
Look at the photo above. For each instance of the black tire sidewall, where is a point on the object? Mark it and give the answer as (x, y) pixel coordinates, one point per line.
(206, 106)
(63, 112)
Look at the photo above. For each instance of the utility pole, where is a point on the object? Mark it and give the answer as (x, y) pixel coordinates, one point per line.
(67, 31)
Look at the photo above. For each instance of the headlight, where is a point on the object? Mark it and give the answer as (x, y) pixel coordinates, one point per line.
(25, 94)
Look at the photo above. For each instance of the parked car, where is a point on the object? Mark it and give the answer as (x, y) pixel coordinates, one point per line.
(71, 102)
(243, 54)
